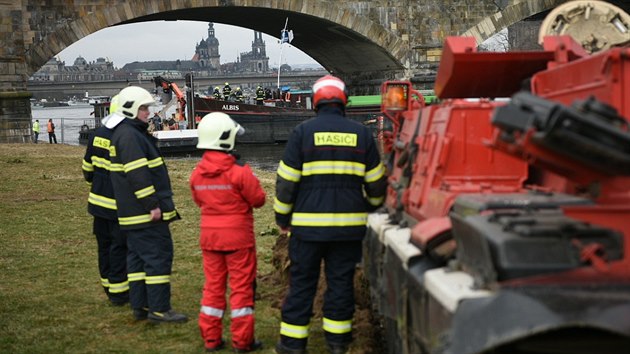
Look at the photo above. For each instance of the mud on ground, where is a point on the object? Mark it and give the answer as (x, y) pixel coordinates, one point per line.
(366, 330)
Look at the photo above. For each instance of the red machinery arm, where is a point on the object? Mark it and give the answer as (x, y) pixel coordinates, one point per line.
(167, 86)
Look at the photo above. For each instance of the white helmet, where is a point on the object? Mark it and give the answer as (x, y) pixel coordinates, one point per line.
(217, 131)
(113, 105)
(131, 98)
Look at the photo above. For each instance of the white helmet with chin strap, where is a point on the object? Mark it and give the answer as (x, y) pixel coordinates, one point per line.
(131, 98)
(217, 131)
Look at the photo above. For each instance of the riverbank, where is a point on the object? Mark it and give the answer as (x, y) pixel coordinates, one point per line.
(51, 296)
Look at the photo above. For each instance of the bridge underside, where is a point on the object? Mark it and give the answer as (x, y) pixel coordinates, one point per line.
(335, 47)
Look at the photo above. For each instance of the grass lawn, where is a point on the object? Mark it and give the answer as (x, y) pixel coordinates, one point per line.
(51, 298)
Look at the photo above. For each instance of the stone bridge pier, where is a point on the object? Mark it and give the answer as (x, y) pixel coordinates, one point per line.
(363, 41)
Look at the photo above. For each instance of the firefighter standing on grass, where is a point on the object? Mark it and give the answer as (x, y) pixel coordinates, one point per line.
(329, 178)
(111, 242)
(226, 191)
(145, 207)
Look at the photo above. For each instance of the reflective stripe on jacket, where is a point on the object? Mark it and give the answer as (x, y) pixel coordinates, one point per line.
(96, 166)
(139, 176)
(329, 178)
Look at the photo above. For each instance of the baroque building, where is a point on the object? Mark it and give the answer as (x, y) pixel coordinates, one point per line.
(207, 51)
(205, 62)
(82, 70)
(255, 61)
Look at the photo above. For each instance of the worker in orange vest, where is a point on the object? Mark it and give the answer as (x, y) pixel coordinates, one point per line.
(51, 132)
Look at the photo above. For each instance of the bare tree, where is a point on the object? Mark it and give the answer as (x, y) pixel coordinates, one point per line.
(497, 43)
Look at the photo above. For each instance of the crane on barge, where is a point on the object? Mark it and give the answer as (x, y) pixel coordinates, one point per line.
(170, 87)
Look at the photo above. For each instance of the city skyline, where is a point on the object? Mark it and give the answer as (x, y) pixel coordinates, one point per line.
(172, 40)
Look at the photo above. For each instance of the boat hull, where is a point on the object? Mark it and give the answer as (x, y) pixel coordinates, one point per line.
(263, 124)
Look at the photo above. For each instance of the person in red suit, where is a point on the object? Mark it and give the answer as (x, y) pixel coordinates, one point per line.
(226, 191)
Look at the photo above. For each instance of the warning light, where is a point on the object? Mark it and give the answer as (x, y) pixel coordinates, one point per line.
(395, 98)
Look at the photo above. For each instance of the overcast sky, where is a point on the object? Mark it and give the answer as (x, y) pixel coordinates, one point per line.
(172, 40)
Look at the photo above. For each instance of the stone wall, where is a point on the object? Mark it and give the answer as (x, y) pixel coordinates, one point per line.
(15, 125)
(424, 24)
(524, 35)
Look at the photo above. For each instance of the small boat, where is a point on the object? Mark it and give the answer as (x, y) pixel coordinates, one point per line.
(101, 109)
(74, 102)
(47, 104)
(177, 142)
(97, 99)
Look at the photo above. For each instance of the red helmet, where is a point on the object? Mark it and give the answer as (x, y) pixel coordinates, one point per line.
(329, 89)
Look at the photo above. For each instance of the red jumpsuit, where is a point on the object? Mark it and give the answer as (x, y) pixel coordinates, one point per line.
(226, 192)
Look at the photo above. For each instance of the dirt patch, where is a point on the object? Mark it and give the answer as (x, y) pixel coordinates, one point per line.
(366, 331)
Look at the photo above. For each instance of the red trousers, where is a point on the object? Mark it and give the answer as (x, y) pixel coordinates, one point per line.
(240, 266)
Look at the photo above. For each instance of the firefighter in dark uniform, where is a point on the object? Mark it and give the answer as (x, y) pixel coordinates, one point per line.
(111, 242)
(329, 178)
(216, 93)
(260, 95)
(238, 94)
(227, 91)
(145, 207)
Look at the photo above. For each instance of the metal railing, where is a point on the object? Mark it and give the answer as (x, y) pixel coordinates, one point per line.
(67, 130)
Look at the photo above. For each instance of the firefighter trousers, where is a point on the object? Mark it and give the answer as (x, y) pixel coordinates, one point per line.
(112, 259)
(149, 263)
(340, 261)
(237, 267)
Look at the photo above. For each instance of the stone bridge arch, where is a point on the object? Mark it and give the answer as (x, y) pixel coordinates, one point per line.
(341, 41)
(352, 46)
(517, 12)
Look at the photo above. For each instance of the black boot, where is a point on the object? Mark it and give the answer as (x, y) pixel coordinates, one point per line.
(168, 316)
(337, 348)
(281, 349)
(141, 314)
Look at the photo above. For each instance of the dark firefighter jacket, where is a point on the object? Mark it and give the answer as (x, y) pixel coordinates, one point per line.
(329, 178)
(96, 167)
(139, 176)
(260, 94)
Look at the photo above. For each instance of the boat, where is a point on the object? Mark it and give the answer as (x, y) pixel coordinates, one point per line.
(47, 104)
(269, 123)
(101, 110)
(74, 102)
(263, 124)
(177, 142)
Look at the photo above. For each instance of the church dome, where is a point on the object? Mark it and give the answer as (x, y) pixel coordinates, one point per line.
(80, 61)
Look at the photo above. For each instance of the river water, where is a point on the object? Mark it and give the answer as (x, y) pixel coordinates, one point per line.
(68, 122)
